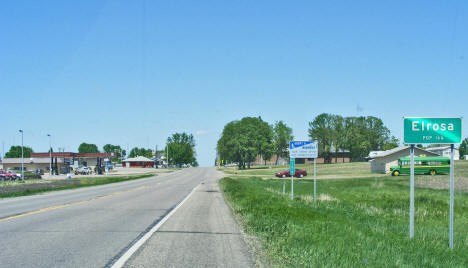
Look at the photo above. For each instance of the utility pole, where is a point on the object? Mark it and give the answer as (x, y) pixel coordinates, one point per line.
(22, 156)
(50, 154)
(167, 154)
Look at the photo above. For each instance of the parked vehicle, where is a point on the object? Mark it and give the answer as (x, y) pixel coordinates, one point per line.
(7, 175)
(4, 176)
(299, 173)
(13, 175)
(422, 165)
(83, 171)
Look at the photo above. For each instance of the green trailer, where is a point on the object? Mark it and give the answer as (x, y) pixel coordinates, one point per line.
(422, 165)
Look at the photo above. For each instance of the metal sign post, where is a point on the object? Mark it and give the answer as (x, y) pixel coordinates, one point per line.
(411, 214)
(452, 186)
(315, 180)
(424, 130)
(292, 170)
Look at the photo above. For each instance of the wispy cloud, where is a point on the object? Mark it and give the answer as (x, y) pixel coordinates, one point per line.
(201, 132)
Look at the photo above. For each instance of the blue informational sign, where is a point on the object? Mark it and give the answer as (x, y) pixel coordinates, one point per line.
(303, 149)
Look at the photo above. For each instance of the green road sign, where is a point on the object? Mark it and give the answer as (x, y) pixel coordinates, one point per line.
(292, 167)
(432, 130)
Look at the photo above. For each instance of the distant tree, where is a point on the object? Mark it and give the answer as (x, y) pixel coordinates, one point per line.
(115, 149)
(338, 135)
(464, 147)
(242, 141)
(392, 143)
(85, 148)
(181, 149)
(15, 151)
(282, 135)
(359, 135)
(322, 130)
(140, 152)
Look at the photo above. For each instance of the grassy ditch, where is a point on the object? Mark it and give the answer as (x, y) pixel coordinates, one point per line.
(355, 222)
(35, 188)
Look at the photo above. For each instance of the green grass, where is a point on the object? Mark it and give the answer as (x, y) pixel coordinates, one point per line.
(356, 222)
(356, 169)
(359, 170)
(83, 182)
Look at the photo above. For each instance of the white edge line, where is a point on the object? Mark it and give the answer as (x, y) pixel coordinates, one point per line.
(125, 257)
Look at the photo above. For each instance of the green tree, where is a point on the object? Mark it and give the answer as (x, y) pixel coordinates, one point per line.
(85, 148)
(392, 143)
(282, 135)
(364, 134)
(464, 147)
(359, 135)
(15, 151)
(338, 136)
(115, 149)
(242, 141)
(140, 152)
(181, 149)
(321, 129)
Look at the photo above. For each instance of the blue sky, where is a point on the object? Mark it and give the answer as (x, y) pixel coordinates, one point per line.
(133, 72)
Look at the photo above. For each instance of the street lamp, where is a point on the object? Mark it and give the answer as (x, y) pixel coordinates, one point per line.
(22, 156)
(50, 155)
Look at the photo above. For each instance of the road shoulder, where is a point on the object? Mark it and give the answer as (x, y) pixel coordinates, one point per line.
(202, 232)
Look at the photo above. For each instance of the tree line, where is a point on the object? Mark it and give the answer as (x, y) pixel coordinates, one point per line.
(179, 150)
(357, 135)
(243, 140)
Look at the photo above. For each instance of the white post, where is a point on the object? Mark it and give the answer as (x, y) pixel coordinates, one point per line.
(292, 187)
(452, 186)
(315, 181)
(292, 180)
(411, 214)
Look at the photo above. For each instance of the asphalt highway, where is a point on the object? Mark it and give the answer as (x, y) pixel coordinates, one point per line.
(95, 226)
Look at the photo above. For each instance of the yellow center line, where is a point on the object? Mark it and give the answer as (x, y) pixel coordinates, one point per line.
(42, 210)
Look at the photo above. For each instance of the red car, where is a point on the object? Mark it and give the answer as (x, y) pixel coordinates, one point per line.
(6, 175)
(299, 173)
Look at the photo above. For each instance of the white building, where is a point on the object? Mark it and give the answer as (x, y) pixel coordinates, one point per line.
(383, 161)
(445, 151)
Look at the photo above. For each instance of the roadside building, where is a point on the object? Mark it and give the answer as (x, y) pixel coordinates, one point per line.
(373, 154)
(138, 162)
(445, 151)
(31, 164)
(77, 159)
(383, 161)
